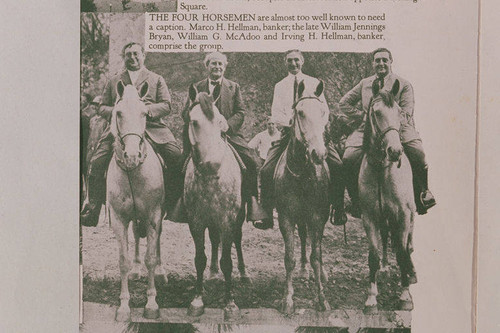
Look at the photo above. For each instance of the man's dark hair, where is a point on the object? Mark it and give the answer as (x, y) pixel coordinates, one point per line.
(381, 49)
(130, 45)
(292, 51)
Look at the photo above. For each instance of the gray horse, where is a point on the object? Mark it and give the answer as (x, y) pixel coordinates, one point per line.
(386, 194)
(212, 195)
(301, 186)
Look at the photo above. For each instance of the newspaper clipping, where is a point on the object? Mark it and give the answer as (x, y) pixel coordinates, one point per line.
(326, 148)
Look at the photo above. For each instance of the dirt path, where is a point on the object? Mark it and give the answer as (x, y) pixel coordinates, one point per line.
(263, 250)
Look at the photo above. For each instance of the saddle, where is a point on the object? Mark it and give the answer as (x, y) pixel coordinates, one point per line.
(235, 153)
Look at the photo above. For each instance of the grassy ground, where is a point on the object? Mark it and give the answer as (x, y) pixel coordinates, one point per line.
(347, 266)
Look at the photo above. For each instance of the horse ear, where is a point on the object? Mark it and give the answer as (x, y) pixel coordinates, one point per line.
(192, 93)
(143, 91)
(395, 88)
(319, 89)
(300, 89)
(120, 88)
(375, 87)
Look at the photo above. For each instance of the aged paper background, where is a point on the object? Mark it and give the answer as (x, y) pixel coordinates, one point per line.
(434, 46)
(489, 173)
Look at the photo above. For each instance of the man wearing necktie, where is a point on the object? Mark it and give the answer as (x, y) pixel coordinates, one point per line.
(158, 134)
(412, 143)
(285, 95)
(229, 102)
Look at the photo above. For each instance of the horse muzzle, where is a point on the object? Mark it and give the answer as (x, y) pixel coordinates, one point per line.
(394, 154)
(318, 156)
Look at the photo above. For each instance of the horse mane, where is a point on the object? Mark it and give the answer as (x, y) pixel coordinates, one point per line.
(206, 103)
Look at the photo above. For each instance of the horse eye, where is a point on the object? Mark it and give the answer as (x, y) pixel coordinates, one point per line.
(119, 113)
(301, 114)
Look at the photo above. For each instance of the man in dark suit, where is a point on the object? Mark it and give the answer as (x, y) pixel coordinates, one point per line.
(230, 105)
(161, 138)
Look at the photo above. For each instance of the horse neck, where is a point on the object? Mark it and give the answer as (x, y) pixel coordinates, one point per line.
(297, 161)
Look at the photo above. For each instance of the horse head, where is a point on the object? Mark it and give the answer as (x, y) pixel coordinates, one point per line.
(384, 121)
(128, 125)
(309, 120)
(205, 127)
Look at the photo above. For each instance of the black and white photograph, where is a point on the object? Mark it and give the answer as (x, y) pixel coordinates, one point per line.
(127, 6)
(305, 169)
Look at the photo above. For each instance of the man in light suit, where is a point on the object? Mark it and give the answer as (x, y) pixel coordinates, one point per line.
(412, 144)
(161, 138)
(230, 104)
(285, 95)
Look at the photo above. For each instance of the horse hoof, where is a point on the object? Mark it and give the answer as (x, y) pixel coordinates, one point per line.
(370, 309)
(213, 275)
(196, 308)
(288, 308)
(303, 274)
(323, 306)
(151, 313)
(122, 315)
(245, 279)
(231, 312)
(405, 305)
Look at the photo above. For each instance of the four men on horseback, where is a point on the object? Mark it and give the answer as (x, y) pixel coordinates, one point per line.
(412, 143)
(228, 99)
(159, 135)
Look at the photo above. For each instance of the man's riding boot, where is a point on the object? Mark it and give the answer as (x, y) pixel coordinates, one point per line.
(423, 197)
(255, 212)
(178, 214)
(339, 217)
(89, 216)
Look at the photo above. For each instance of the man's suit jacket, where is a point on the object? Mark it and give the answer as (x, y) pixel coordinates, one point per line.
(230, 104)
(157, 101)
(362, 92)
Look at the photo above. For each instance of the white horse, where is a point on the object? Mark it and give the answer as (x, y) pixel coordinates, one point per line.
(135, 192)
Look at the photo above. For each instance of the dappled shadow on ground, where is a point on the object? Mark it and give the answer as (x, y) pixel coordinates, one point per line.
(347, 266)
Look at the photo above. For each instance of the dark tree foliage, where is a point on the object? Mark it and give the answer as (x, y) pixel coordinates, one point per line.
(87, 6)
(94, 46)
(257, 73)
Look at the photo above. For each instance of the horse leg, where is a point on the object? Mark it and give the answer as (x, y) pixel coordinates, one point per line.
(404, 261)
(412, 274)
(152, 311)
(371, 305)
(160, 270)
(120, 228)
(384, 235)
(135, 273)
(316, 229)
(237, 243)
(287, 231)
(304, 272)
(214, 235)
(196, 308)
(231, 310)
